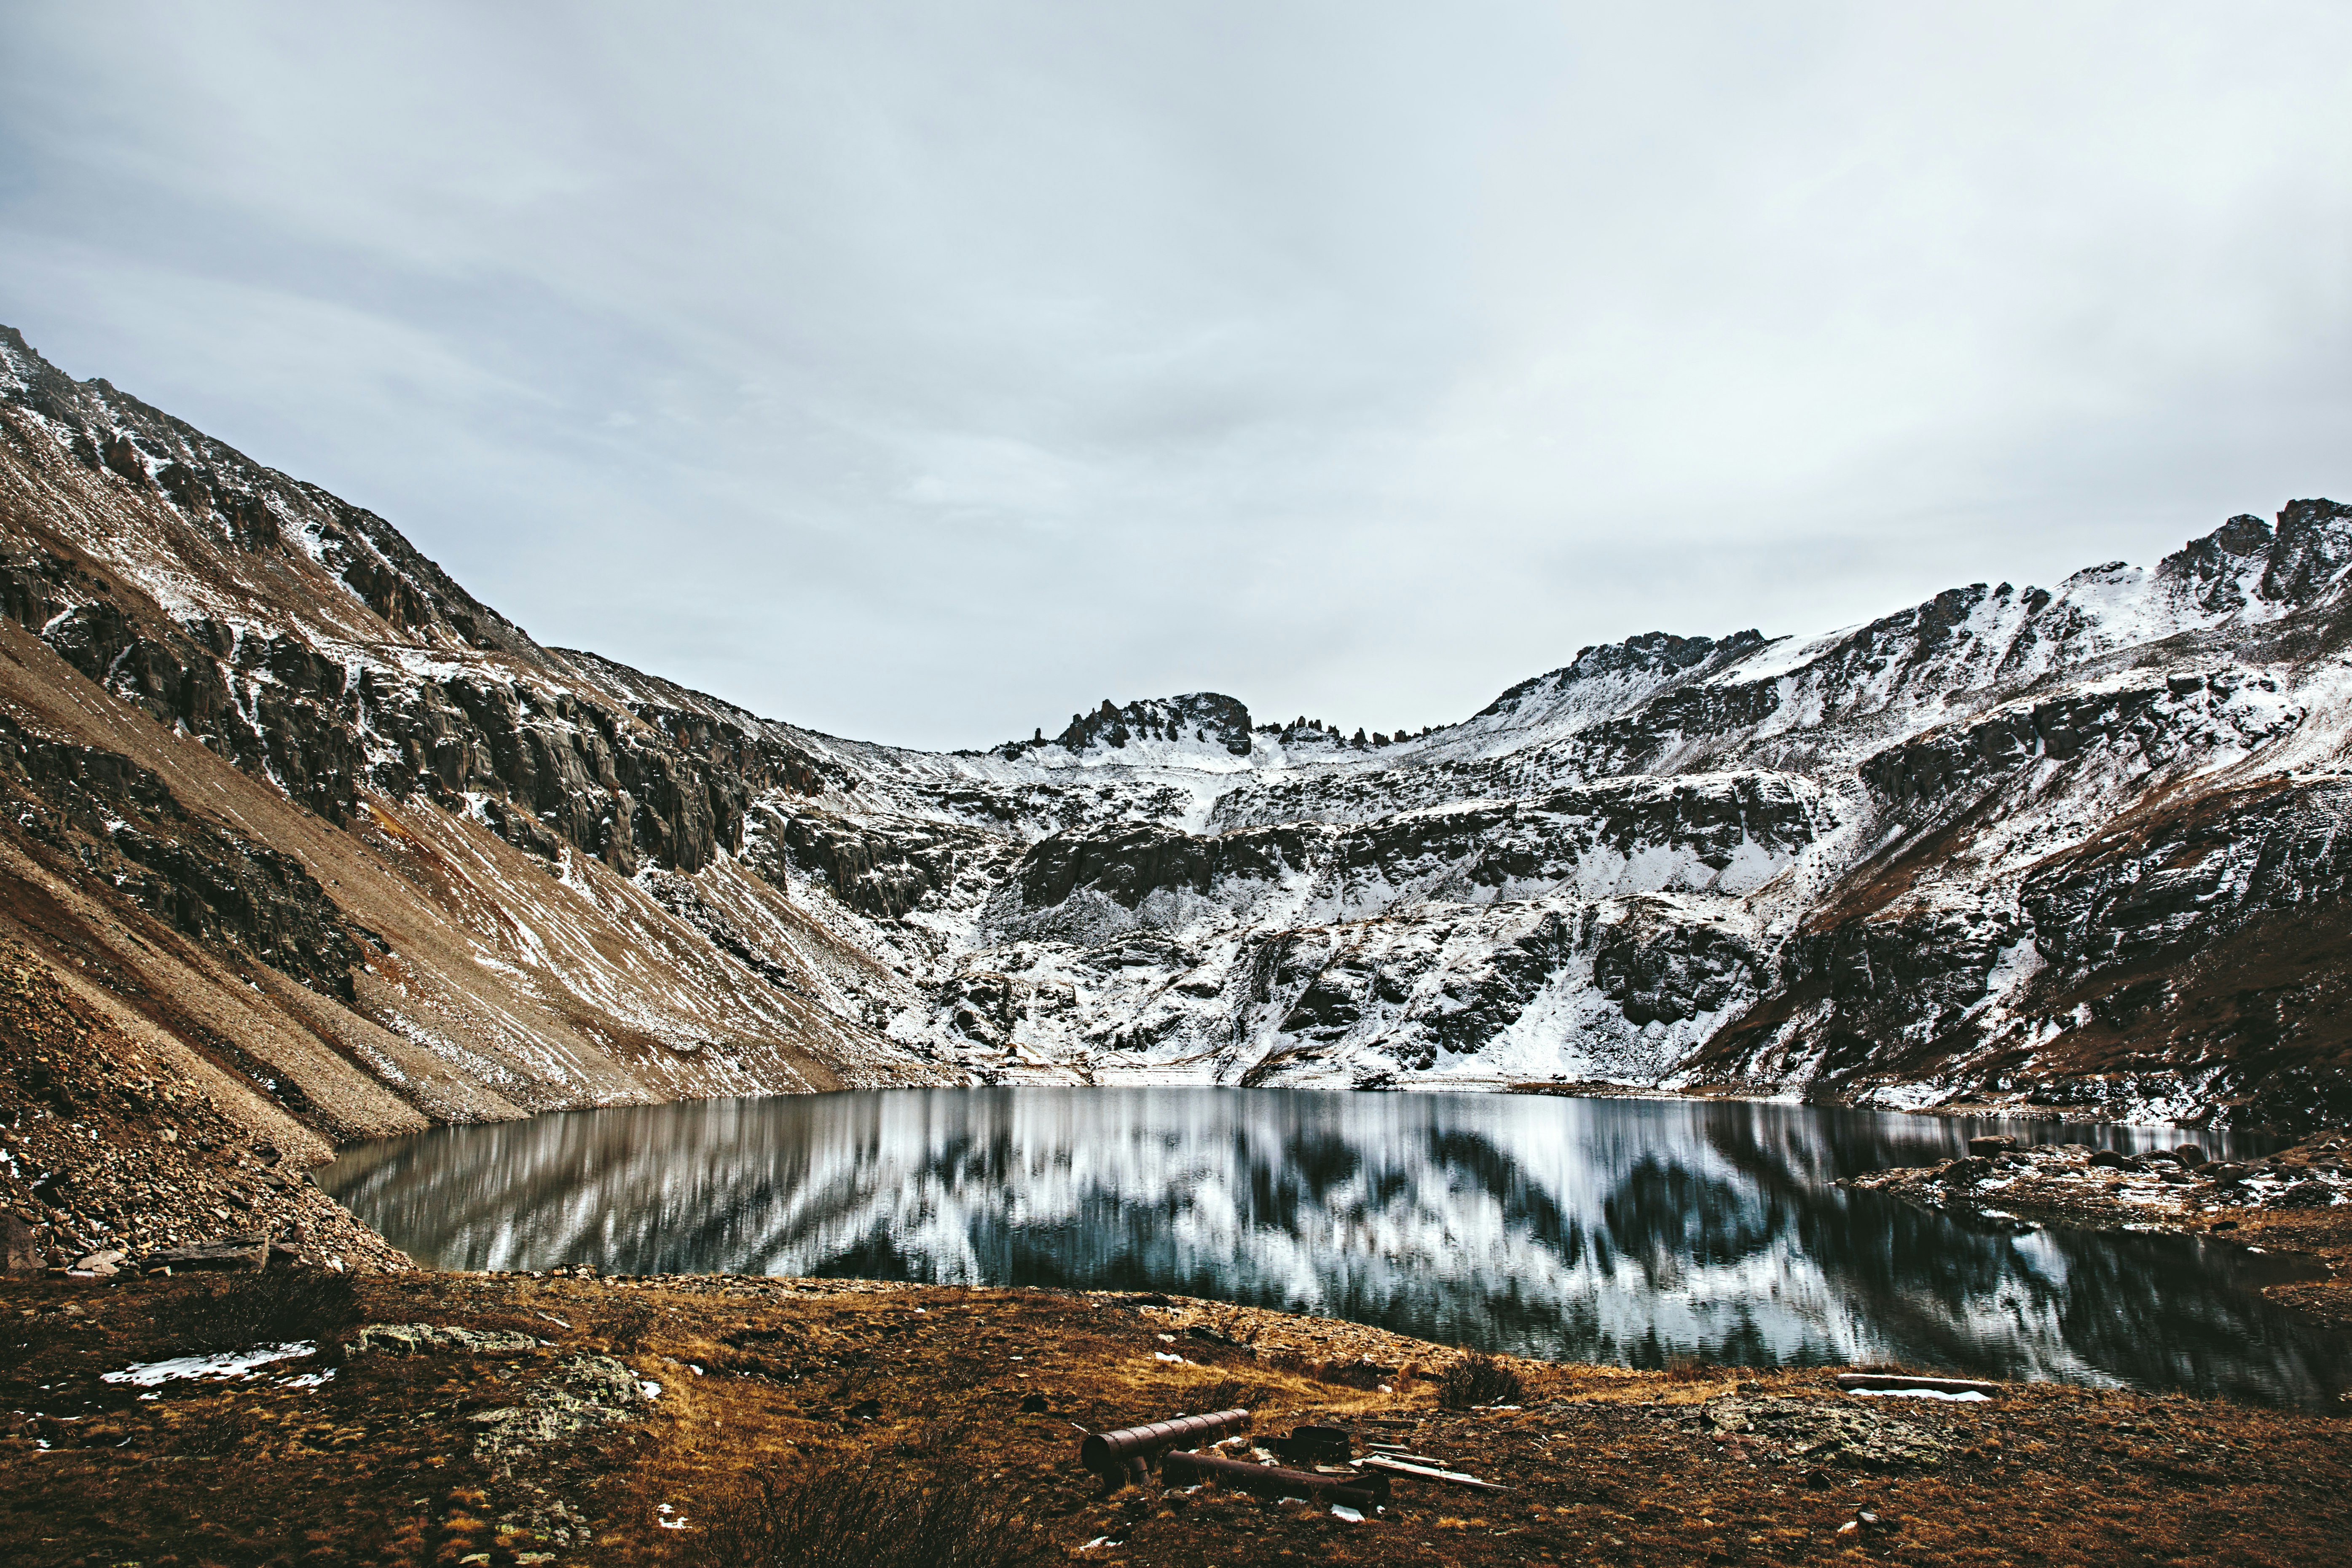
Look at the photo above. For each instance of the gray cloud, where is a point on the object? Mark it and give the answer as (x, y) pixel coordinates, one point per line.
(926, 371)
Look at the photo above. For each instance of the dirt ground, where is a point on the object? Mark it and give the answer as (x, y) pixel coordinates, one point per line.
(478, 1454)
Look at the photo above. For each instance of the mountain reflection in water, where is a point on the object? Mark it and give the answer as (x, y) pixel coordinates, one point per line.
(1605, 1230)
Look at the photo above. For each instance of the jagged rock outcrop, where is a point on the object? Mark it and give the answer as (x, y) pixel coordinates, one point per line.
(122, 823)
(2170, 880)
(1202, 718)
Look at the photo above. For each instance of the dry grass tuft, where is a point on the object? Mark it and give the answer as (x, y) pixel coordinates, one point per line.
(276, 1306)
(846, 1515)
(624, 1321)
(1478, 1378)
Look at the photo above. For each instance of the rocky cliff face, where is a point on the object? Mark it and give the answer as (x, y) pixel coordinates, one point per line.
(350, 848)
(283, 794)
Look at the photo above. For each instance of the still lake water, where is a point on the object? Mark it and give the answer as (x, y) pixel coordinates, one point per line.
(1610, 1230)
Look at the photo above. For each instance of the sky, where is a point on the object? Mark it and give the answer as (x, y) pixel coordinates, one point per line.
(926, 373)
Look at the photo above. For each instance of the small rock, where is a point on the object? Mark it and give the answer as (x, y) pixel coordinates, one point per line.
(2189, 1154)
(2108, 1158)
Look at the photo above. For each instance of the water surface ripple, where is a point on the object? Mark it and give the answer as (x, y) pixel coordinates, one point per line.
(1611, 1230)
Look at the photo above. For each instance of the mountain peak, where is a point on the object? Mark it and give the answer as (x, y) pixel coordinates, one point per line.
(1603, 679)
(1198, 719)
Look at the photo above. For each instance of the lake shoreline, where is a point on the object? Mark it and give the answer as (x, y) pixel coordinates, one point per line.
(2296, 1201)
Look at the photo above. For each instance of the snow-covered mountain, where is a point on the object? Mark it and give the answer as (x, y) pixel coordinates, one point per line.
(292, 797)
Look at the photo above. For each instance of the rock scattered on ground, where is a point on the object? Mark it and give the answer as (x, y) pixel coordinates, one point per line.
(1820, 1432)
(109, 1158)
(582, 1395)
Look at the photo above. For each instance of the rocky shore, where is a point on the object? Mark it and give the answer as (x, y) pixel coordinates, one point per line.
(2172, 1189)
(2295, 1200)
(205, 1361)
(114, 1155)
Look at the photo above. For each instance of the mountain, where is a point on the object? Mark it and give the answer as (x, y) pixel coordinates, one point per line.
(321, 833)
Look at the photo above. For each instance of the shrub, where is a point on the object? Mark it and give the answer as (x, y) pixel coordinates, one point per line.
(851, 1517)
(276, 1306)
(1478, 1378)
(1363, 1373)
(1227, 1395)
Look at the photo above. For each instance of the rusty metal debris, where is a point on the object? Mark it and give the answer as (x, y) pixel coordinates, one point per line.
(1853, 1380)
(1306, 1444)
(1128, 1452)
(1393, 1451)
(1361, 1492)
(1381, 1462)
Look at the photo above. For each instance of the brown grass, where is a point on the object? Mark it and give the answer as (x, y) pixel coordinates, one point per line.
(872, 1416)
(276, 1306)
(841, 1516)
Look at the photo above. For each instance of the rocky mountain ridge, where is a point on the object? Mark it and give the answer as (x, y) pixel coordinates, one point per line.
(288, 801)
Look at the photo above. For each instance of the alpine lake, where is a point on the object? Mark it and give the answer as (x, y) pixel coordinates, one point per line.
(1611, 1230)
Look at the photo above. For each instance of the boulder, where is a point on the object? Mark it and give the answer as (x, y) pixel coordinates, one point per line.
(1966, 1173)
(582, 1395)
(20, 1249)
(2109, 1158)
(417, 1338)
(2306, 1195)
(1993, 1145)
(2190, 1155)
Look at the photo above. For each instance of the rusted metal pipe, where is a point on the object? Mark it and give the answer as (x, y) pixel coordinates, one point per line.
(1106, 1453)
(1272, 1480)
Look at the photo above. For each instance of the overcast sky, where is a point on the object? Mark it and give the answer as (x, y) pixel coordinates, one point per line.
(924, 373)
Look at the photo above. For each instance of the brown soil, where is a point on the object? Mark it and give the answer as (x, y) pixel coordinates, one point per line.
(384, 1463)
